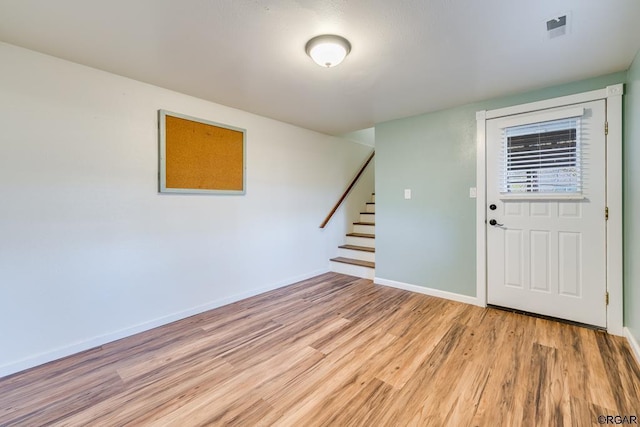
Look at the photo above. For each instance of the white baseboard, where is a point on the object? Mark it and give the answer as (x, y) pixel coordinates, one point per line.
(428, 291)
(77, 347)
(635, 346)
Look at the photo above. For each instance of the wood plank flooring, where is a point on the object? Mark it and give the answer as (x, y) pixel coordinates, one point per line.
(336, 350)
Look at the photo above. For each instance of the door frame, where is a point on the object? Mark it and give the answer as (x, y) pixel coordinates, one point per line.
(613, 96)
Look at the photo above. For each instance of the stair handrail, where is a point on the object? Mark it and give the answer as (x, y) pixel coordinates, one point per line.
(346, 192)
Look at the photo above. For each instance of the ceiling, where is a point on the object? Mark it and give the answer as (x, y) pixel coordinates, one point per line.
(408, 56)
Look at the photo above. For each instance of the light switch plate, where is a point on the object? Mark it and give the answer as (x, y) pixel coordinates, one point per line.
(473, 192)
(407, 193)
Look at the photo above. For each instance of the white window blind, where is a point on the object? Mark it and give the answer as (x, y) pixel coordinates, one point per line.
(542, 158)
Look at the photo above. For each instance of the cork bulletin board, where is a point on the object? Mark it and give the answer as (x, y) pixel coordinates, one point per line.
(199, 156)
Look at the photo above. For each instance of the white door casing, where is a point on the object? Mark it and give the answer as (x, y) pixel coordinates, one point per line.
(613, 96)
(548, 256)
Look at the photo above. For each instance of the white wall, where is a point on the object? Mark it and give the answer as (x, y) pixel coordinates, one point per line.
(361, 193)
(90, 252)
(363, 136)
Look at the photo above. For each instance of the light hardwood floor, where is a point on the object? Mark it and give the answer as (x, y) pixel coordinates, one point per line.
(337, 351)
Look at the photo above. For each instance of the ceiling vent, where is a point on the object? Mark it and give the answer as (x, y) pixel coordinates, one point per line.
(557, 27)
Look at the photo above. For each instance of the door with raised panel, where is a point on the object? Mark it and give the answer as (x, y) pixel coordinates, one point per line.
(546, 231)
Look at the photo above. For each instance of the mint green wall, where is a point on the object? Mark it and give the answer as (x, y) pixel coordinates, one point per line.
(631, 168)
(430, 240)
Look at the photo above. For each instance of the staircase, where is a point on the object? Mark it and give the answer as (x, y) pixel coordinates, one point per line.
(357, 256)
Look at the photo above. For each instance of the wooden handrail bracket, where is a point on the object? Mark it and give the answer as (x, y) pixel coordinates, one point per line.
(346, 192)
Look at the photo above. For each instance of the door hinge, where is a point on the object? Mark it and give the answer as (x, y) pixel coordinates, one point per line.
(606, 298)
(606, 213)
(606, 128)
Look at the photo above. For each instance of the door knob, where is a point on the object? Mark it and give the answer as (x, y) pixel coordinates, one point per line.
(495, 223)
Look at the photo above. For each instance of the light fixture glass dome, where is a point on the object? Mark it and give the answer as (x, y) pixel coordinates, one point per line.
(328, 50)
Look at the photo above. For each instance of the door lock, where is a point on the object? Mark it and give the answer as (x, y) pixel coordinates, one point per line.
(493, 207)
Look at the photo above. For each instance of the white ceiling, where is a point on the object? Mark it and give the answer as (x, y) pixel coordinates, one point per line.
(408, 56)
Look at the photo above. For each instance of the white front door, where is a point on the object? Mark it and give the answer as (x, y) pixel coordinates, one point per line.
(546, 230)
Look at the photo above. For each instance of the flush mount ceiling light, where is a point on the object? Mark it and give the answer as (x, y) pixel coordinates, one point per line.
(328, 50)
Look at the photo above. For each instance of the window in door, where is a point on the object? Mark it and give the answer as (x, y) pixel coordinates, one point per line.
(543, 158)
